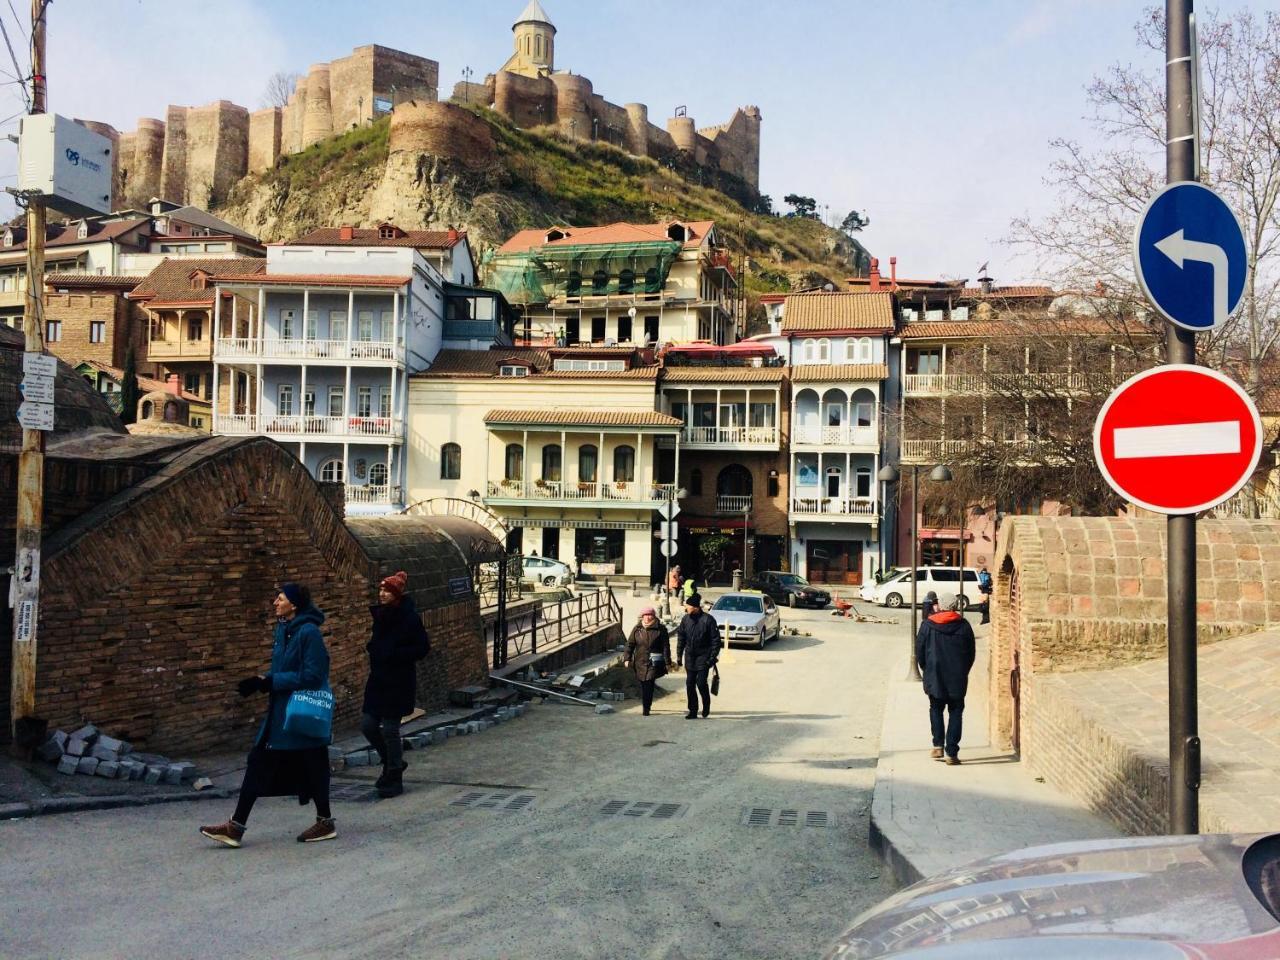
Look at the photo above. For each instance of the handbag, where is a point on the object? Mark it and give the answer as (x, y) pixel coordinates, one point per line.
(309, 713)
(715, 681)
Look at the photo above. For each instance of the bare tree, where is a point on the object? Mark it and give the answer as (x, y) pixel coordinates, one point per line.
(280, 87)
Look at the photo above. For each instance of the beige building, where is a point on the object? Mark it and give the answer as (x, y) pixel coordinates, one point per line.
(622, 283)
(525, 432)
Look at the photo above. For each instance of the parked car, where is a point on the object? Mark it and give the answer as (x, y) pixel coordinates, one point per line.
(895, 591)
(548, 572)
(747, 618)
(789, 588)
(1159, 897)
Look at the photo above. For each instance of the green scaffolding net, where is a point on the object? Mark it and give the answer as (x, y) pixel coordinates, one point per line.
(541, 274)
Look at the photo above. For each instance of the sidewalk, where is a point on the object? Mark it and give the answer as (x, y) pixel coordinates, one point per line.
(927, 817)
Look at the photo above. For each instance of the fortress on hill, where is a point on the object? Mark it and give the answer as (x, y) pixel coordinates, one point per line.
(196, 155)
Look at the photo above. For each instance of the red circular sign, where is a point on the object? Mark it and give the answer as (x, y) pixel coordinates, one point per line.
(1177, 439)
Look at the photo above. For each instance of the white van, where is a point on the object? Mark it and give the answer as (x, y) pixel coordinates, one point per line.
(896, 591)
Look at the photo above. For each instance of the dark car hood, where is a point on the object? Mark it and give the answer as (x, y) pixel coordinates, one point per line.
(1132, 898)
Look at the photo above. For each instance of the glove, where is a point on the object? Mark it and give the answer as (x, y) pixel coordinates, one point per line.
(251, 685)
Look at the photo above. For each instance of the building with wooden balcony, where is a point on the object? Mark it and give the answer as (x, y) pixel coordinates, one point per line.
(562, 443)
(622, 283)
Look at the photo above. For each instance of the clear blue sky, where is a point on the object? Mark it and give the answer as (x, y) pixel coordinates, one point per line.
(933, 116)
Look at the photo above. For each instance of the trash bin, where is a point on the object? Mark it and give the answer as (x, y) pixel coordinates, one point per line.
(737, 579)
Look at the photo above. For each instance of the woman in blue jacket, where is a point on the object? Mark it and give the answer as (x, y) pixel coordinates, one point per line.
(285, 763)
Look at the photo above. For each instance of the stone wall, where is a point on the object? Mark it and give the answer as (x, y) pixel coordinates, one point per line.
(440, 130)
(265, 128)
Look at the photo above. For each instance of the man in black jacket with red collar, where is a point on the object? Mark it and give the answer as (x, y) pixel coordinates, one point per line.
(697, 649)
(945, 651)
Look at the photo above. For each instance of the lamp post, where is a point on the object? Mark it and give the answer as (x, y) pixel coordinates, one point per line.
(888, 474)
(466, 84)
(939, 474)
(673, 495)
(746, 536)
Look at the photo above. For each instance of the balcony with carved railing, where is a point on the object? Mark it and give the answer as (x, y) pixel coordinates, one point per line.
(730, 438)
(373, 495)
(180, 349)
(728, 503)
(839, 436)
(933, 451)
(577, 493)
(858, 509)
(971, 384)
(344, 429)
(1250, 505)
(293, 350)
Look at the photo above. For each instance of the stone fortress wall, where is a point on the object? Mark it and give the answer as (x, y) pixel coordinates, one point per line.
(197, 154)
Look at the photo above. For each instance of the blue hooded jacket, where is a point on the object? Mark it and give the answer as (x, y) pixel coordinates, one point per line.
(299, 661)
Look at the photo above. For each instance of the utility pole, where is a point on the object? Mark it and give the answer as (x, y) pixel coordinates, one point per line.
(26, 591)
(1182, 162)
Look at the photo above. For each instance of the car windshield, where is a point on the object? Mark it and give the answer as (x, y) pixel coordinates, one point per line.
(792, 580)
(740, 604)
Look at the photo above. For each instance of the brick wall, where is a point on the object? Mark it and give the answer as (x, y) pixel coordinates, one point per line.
(457, 658)
(76, 311)
(768, 514)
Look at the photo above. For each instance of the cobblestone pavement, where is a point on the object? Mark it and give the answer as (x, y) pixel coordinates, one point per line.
(795, 731)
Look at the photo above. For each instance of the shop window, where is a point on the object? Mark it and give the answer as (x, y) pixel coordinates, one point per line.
(450, 462)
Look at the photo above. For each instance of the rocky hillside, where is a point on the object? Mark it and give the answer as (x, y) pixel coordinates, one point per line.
(432, 165)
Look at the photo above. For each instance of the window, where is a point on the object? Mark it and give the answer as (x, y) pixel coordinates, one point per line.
(378, 475)
(588, 463)
(864, 350)
(191, 382)
(53, 331)
(337, 402)
(513, 370)
(514, 463)
(695, 482)
(551, 462)
(364, 401)
(597, 366)
(850, 350)
(652, 281)
(624, 464)
(924, 361)
(626, 281)
(651, 329)
(835, 414)
(600, 282)
(450, 462)
(309, 403)
(573, 286)
(862, 412)
(387, 333)
(624, 329)
(157, 328)
(771, 486)
(195, 328)
(332, 471)
(286, 325)
(384, 401)
(311, 329)
(833, 482)
(810, 351)
(863, 481)
(97, 331)
(364, 325)
(337, 325)
(386, 232)
(198, 422)
(284, 400)
(824, 350)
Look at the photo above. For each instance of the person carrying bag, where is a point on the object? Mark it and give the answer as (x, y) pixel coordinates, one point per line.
(648, 653)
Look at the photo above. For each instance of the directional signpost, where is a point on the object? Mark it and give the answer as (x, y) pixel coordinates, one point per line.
(38, 374)
(670, 535)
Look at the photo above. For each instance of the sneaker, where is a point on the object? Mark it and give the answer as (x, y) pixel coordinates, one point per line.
(936, 753)
(228, 834)
(953, 761)
(322, 829)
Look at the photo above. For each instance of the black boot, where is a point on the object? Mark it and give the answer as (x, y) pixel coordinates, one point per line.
(382, 777)
(391, 784)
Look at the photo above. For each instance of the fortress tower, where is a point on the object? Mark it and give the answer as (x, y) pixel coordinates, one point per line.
(535, 43)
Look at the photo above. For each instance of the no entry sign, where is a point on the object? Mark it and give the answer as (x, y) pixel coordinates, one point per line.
(1177, 439)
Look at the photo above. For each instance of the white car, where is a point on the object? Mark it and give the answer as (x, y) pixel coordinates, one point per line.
(896, 590)
(547, 572)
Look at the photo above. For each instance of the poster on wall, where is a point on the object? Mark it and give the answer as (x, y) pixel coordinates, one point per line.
(599, 569)
(806, 475)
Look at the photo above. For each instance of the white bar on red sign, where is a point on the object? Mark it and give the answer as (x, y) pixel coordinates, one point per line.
(1178, 440)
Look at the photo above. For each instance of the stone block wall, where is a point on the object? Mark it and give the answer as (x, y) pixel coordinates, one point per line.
(441, 130)
(218, 151)
(265, 129)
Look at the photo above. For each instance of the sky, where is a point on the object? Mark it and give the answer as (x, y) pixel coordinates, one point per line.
(933, 117)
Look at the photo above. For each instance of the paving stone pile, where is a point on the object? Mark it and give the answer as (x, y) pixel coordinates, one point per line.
(425, 738)
(90, 752)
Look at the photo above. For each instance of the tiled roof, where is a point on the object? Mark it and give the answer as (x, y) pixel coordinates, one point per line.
(145, 384)
(828, 312)
(89, 281)
(203, 218)
(582, 418)
(807, 372)
(170, 280)
(620, 232)
(342, 280)
(67, 234)
(1007, 292)
(484, 364)
(368, 237)
(723, 375)
(1054, 327)
(946, 329)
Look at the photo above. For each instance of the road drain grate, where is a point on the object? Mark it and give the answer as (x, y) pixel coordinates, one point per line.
(500, 801)
(786, 817)
(644, 808)
(352, 792)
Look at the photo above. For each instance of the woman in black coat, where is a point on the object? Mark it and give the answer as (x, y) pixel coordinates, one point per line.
(648, 653)
(399, 640)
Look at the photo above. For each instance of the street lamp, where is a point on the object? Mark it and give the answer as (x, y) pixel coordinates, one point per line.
(939, 474)
(673, 495)
(746, 534)
(888, 474)
(466, 84)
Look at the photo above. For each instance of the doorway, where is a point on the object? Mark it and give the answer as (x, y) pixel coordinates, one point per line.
(551, 543)
(835, 561)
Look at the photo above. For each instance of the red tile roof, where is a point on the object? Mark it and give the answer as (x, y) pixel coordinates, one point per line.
(314, 279)
(620, 232)
(67, 234)
(723, 375)
(368, 237)
(582, 418)
(836, 312)
(1011, 293)
(89, 281)
(946, 329)
(807, 372)
(170, 280)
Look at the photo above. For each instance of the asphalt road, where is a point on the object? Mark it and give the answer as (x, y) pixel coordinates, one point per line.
(795, 728)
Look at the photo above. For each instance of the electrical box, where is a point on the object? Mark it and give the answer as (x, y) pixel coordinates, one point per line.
(66, 162)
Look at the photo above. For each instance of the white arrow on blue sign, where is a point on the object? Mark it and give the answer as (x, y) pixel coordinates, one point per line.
(1190, 256)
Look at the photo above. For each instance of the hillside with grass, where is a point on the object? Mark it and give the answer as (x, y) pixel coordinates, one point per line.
(529, 178)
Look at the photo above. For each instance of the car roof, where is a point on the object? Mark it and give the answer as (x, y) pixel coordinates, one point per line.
(754, 594)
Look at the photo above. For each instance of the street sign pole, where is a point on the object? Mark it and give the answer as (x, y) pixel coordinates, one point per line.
(1182, 149)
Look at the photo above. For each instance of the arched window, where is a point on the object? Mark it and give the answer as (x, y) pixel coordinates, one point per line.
(514, 469)
(626, 281)
(824, 350)
(849, 354)
(146, 409)
(810, 351)
(864, 350)
(588, 463)
(170, 412)
(551, 462)
(537, 45)
(450, 462)
(332, 471)
(600, 282)
(378, 474)
(624, 464)
(573, 287)
(734, 481)
(652, 281)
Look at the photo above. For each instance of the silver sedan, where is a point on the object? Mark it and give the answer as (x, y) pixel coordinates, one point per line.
(748, 618)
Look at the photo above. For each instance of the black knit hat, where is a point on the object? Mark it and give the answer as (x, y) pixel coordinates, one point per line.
(693, 600)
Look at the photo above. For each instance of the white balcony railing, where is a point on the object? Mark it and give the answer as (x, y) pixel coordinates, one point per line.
(840, 506)
(243, 348)
(347, 427)
(938, 384)
(844, 435)
(726, 503)
(729, 436)
(935, 384)
(634, 492)
(1250, 505)
(932, 451)
(371, 493)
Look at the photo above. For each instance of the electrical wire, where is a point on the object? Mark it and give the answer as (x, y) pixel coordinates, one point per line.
(26, 96)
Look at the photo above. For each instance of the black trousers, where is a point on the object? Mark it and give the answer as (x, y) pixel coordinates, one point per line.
(283, 773)
(383, 734)
(695, 683)
(950, 739)
(646, 693)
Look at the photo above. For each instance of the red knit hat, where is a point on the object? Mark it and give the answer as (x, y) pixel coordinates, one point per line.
(395, 584)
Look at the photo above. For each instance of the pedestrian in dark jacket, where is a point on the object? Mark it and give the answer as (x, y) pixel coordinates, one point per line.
(285, 763)
(648, 653)
(984, 587)
(697, 650)
(945, 654)
(398, 642)
(929, 606)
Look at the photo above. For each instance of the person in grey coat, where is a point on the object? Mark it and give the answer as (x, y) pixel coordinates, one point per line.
(945, 652)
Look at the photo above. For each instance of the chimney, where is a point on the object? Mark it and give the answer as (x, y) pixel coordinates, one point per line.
(346, 232)
(875, 275)
(171, 384)
(893, 273)
(453, 236)
(985, 282)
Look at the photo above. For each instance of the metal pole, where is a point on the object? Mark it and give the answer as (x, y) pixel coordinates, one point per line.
(914, 672)
(1181, 156)
(964, 511)
(746, 531)
(666, 584)
(24, 726)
